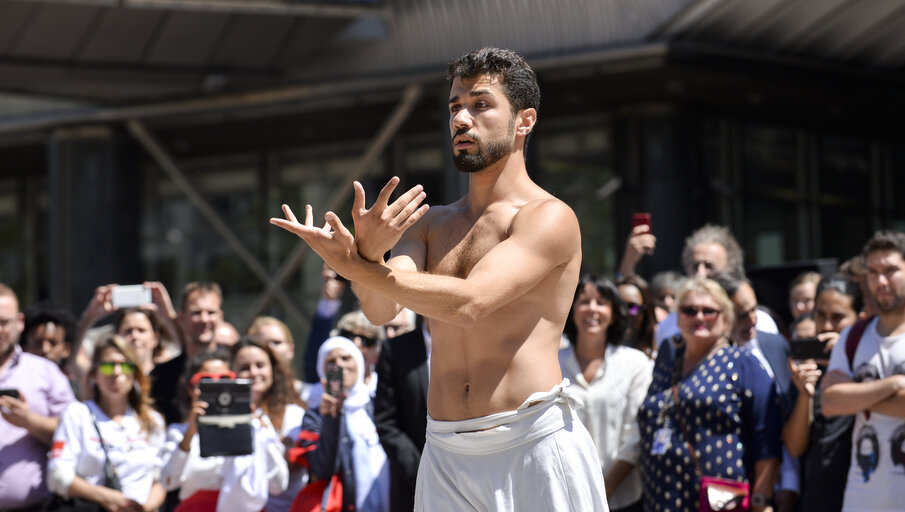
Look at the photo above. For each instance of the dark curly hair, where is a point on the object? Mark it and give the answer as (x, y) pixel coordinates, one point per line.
(517, 79)
(615, 333)
(887, 240)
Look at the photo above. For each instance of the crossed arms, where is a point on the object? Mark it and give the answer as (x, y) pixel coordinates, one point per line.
(544, 235)
(843, 396)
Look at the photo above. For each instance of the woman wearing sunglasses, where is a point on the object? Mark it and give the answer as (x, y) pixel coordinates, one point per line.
(711, 410)
(611, 379)
(273, 397)
(117, 426)
(209, 484)
(642, 322)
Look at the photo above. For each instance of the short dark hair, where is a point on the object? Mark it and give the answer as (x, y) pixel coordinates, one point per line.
(885, 240)
(615, 333)
(845, 285)
(43, 313)
(202, 287)
(730, 282)
(516, 77)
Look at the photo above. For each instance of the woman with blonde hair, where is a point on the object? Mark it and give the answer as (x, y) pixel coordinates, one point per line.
(275, 334)
(710, 413)
(107, 449)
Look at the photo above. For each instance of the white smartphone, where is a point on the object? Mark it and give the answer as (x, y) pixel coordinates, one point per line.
(130, 296)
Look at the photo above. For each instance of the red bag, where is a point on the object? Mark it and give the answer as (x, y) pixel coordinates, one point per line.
(320, 496)
(723, 494)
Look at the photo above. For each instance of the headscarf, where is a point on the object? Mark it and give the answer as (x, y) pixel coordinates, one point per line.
(371, 469)
(358, 396)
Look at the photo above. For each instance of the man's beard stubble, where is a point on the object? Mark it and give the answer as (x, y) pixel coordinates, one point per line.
(488, 154)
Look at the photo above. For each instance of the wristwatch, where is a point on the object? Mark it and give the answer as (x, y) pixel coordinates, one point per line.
(760, 500)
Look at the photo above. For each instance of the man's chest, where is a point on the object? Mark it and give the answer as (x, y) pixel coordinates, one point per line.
(456, 245)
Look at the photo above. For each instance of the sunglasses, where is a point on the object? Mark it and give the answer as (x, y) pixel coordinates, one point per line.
(198, 377)
(365, 340)
(634, 309)
(692, 311)
(107, 369)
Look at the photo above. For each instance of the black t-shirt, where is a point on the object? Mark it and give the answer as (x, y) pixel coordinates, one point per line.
(165, 387)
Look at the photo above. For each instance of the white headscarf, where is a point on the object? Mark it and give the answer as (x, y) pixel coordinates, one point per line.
(371, 470)
(358, 396)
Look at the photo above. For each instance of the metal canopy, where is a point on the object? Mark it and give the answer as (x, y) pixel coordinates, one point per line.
(133, 50)
(858, 34)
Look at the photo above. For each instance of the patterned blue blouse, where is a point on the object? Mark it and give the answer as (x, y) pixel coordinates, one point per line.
(729, 407)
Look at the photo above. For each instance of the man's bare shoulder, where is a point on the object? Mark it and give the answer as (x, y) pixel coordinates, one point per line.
(550, 226)
(547, 213)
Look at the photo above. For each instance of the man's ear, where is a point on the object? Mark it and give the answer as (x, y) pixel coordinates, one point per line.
(526, 120)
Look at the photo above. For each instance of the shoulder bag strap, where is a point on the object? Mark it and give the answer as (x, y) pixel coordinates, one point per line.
(110, 476)
(694, 458)
(854, 337)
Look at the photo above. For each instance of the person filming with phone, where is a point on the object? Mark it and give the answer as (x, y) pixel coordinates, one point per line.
(340, 438)
(238, 483)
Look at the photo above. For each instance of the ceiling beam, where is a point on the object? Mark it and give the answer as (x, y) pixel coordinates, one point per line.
(270, 7)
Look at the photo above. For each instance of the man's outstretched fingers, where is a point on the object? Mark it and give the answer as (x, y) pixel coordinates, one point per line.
(383, 197)
(410, 207)
(415, 217)
(413, 194)
(287, 211)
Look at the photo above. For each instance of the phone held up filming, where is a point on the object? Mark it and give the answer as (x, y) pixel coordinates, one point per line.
(225, 428)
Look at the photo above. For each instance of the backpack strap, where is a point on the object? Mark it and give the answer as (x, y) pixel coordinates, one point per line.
(854, 337)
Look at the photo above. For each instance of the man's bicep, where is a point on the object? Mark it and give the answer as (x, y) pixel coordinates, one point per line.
(541, 241)
(410, 252)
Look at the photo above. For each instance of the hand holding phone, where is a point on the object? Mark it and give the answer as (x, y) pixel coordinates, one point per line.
(641, 219)
(334, 377)
(130, 296)
(807, 348)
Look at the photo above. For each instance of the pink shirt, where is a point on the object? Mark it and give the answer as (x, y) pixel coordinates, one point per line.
(24, 458)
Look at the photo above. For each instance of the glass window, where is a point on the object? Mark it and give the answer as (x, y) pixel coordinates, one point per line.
(574, 163)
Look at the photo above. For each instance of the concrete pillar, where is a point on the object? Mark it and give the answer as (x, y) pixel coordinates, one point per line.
(93, 214)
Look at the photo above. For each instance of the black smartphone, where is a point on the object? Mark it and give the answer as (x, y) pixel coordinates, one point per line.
(10, 392)
(334, 377)
(225, 428)
(808, 348)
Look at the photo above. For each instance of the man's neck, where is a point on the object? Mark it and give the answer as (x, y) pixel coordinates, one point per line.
(496, 182)
(891, 323)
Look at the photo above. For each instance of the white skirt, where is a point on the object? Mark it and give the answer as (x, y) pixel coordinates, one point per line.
(538, 457)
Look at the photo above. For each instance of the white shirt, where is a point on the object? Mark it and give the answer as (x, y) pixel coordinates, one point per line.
(298, 477)
(611, 402)
(244, 481)
(877, 472)
(135, 454)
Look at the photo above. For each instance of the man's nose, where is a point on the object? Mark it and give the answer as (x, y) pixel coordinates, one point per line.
(700, 270)
(462, 119)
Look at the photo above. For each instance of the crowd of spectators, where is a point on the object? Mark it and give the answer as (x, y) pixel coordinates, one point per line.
(683, 377)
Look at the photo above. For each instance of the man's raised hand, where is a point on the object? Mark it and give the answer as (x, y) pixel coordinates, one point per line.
(379, 228)
(333, 242)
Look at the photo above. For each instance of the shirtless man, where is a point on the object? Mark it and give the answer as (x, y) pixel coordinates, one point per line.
(495, 272)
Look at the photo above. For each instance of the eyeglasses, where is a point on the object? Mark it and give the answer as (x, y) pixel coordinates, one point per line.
(198, 377)
(693, 311)
(106, 369)
(367, 341)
